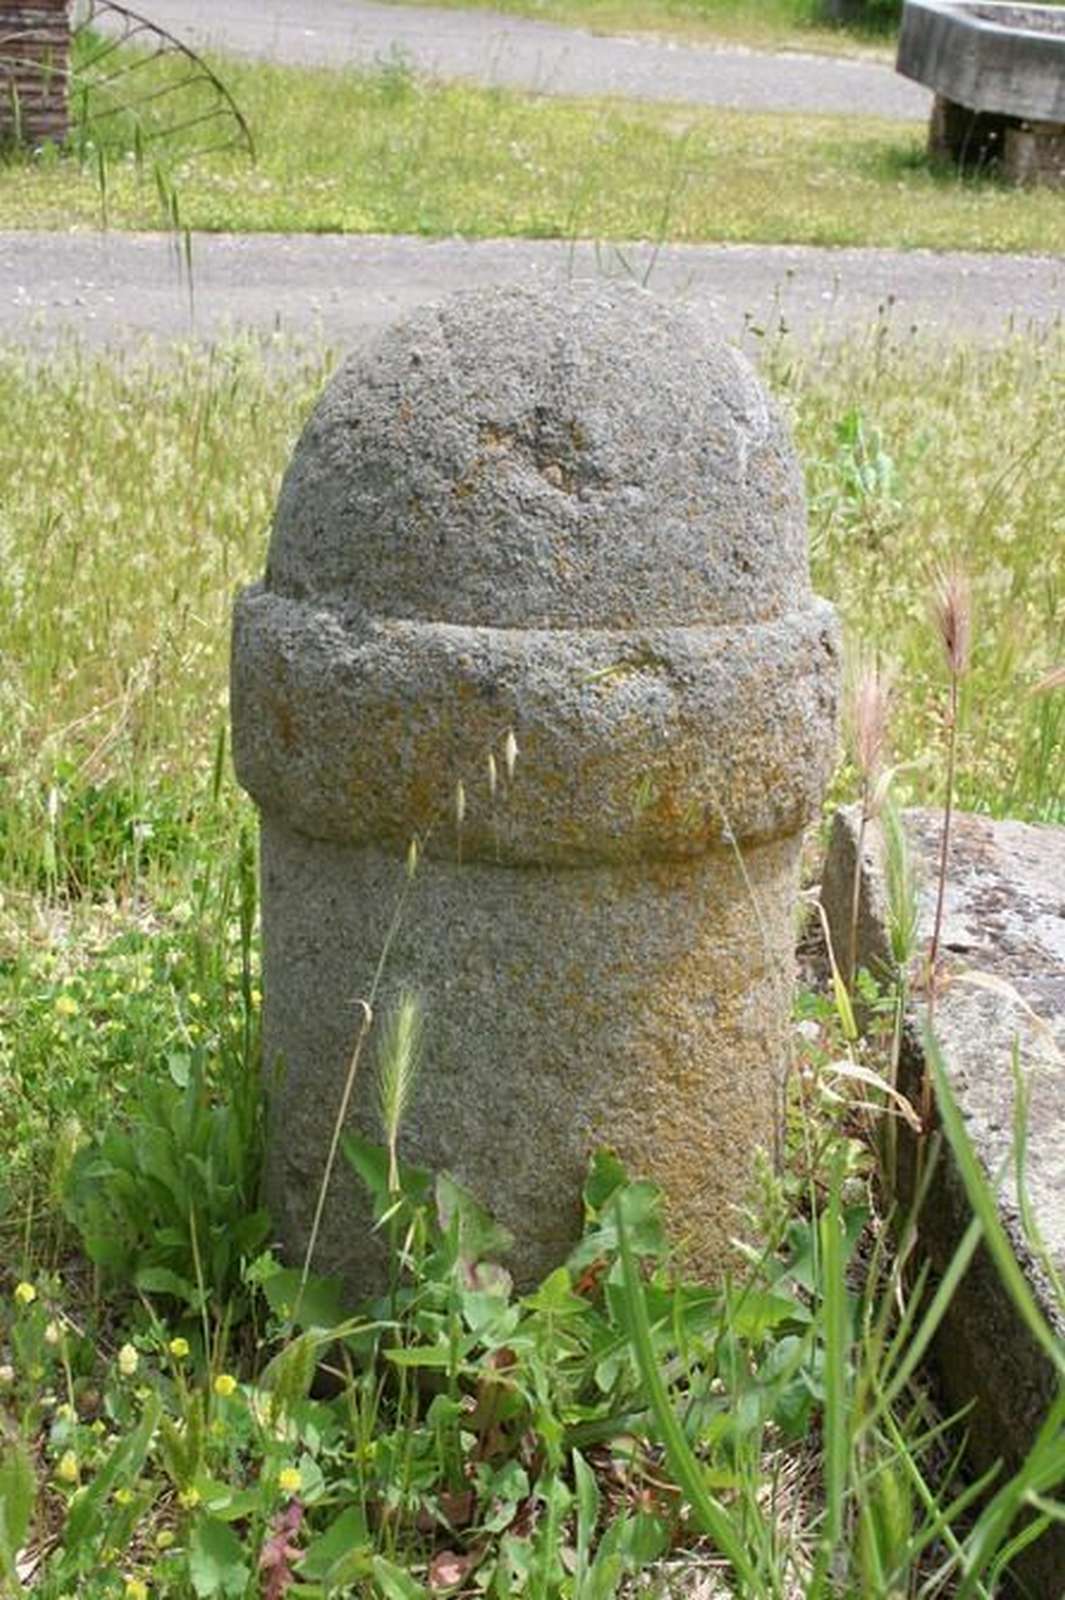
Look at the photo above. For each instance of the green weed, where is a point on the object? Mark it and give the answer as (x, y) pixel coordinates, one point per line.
(558, 1444)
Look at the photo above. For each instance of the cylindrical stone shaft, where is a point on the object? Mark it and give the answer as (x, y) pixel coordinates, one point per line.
(573, 517)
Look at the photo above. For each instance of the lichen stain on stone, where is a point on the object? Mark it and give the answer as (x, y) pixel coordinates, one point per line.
(284, 721)
(494, 438)
(670, 811)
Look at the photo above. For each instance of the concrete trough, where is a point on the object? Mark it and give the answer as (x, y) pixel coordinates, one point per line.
(997, 69)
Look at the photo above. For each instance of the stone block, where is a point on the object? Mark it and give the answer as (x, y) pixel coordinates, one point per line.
(1005, 926)
(1035, 154)
(972, 139)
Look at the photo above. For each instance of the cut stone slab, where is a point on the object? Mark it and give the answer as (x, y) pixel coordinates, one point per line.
(998, 71)
(989, 55)
(1004, 927)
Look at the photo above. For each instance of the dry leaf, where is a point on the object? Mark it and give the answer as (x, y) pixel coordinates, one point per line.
(457, 1506)
(851, 1070)
(447, 1570)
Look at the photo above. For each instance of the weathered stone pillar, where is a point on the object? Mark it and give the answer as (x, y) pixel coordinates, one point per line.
(574, 515)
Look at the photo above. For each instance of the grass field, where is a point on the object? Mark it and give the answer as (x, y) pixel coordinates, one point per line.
(137, 496)
(383, 152)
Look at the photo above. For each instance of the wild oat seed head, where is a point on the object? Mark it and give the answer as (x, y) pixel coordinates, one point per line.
(399, 1055)
(460, 803)
(869, 714)
(1055, 679)
(493, 776)
(953, 614)
(412, 858)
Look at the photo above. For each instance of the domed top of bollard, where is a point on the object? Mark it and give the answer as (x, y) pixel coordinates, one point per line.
(557, 459)
(570, 514)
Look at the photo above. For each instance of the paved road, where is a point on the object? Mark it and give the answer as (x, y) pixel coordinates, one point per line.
(123, 287)
(518, 53)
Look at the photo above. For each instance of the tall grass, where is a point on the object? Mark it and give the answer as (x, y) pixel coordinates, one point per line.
(136, 495)
(920, 455)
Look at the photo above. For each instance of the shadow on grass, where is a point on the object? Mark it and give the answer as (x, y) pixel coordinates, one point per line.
(907, 163)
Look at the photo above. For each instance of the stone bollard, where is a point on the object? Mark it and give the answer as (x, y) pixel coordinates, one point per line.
(574, 516)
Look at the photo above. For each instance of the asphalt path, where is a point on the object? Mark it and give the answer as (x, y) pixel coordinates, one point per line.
(337, 289)
(515, 52)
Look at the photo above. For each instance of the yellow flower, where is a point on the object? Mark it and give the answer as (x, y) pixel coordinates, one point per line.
(224, 1385)
(67, 1469)
(123, 1497)
(164, 1539)
(189, 1498)
(25, 1294)
(179, 1348)
(127, 1360)
(289, 1480)
(136, 1590)
(67, 1006)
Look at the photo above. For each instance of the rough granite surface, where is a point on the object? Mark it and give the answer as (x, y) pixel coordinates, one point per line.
(575, 516)
(1003, 966)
